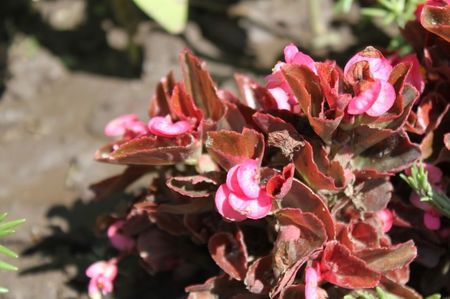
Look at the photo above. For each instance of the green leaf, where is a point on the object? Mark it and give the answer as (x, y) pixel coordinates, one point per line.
(3, 290)
(170, 14)
(6, 232)
(11, 224)
(3, 216)
(373, 12)
(6, 266)
(8, 252)
(434, 296)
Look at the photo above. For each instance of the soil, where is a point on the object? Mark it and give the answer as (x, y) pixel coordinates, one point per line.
(66, 69)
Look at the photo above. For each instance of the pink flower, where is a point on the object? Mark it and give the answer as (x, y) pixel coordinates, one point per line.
(312, 278)
(277, 84)
(118, 240)
(387, 219)
(378, 96)
(165, 127)
(241, 196)
(128, 126)
(102, 275)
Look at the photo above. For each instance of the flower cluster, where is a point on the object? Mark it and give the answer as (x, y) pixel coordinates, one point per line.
(288, 186)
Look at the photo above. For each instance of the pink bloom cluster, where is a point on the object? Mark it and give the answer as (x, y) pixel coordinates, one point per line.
(241, 196)
(118, 240)
(376, 96)
(129, 126)
(431, 217)
(102, 275)
(312, 279)
(277, 84)
(373, 95)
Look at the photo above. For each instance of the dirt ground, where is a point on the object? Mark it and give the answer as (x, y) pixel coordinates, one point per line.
(65, 72)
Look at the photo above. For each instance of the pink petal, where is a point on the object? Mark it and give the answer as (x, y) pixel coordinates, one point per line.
(275, 79)
(163, 126)
(119, 125)
(118, 240)
(252, 208)
(281, 98)
(92, 288)
(111, 271)
(303, 59)
(248, 178)
(432, 221)
(387, 218)
(137, 128)
(96, 269)
(364, 100)
(289, 53)
(223, 206)
(434, 174)
(414, 199)
(379, 67)
(311, 283)
(232, 180)
(385, 100)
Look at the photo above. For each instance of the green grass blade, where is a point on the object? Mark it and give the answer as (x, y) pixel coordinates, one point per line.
(6, 266)
(11, 224)
(8, 252)
(3, 216)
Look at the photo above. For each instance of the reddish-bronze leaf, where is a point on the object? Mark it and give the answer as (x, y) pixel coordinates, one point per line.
(307, 89)
(260, 277)
(373, 195)
(302, 197)
(436, 19)
(230, 253)
(389, 258)
(343, 269)
(149, 150)
(215, 287)
(229, 148)
(254, 95)
(393, 154)
(313, 165)
(280, 184)
(158, 251)
(200, 86)
(300, 234)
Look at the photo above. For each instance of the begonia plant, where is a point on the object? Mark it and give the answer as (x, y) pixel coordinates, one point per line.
(289, 188)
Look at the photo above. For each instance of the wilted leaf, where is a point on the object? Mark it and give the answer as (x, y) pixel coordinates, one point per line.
(194, 186)
(230, 253)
